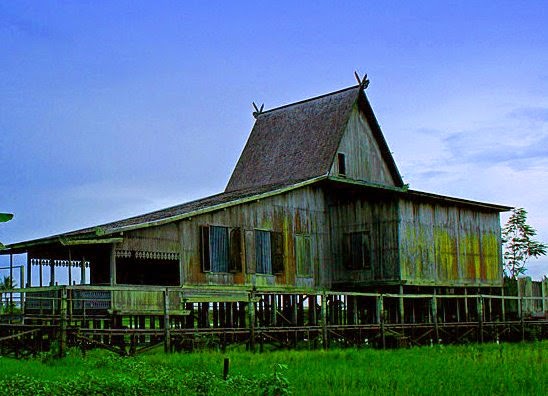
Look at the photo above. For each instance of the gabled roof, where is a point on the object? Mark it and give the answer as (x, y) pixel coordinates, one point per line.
(299, 141)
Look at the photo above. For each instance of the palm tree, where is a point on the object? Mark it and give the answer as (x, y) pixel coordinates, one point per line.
(6, 285)
(3, 218)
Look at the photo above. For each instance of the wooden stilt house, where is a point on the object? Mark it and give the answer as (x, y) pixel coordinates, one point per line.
(316, 232)
(315, 202)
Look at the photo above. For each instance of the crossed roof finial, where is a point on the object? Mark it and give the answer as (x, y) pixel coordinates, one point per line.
(257, 110)
(362, 82)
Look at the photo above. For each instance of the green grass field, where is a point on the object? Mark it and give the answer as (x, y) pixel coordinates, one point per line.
(506, 369)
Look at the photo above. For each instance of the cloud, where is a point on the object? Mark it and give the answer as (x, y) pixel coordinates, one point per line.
(14, 23)
(530, 114)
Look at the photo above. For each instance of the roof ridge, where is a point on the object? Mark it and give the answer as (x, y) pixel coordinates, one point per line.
(308, 100)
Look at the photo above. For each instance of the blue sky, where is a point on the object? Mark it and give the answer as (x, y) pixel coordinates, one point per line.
(111, 109)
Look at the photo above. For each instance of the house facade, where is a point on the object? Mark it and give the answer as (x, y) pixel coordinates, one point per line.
(315, 202)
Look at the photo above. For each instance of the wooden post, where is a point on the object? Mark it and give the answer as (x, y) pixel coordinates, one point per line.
(380, 318)
(226, 366)
(543, 292)
(325, 340)
(312, 302)
(355, 310)
(490, 303)
(69, 267)
(83, 271)
(251, 318)
(63, 323)
(466, 314)
(51, 272)
(167, 335)
(294, 307)
(274, 310)
(112, 265)
(29, 273)
(521, 317)
(480, 317)
(520, 306)
(503, 305)
(435, 316)
(22, 276)
(402, 312)
(11, 285)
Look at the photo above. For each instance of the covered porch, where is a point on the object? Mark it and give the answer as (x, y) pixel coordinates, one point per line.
(97, 262)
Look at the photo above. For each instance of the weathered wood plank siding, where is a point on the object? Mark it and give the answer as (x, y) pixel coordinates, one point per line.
(449, 245)
(377, 217)
(363, 157)
(153, 239)
(297, 212)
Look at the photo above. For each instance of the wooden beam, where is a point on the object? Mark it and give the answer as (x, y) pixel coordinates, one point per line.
(76, 242)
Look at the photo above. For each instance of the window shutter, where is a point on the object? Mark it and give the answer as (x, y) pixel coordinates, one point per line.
(347, 251)
(204, 246)
(277, 246)
(366, 244)
(235, 264)
(250, 255)
(218, 249)
(263, 252)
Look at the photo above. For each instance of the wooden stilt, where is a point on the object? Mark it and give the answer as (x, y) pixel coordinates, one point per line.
(167, 334)
(83, 271)
(435, 316)
(325, 340)
(402, 308)
(480, 317)
(63, 323)
(380, 319)
(251, 305)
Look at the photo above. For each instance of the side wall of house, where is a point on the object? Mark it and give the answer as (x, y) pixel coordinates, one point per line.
(376, 218)
(449, 245)
(363, 158)
(298, 212)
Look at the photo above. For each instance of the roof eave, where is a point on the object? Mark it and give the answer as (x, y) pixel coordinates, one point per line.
(213, 208)
(21, 247)
(421, 194)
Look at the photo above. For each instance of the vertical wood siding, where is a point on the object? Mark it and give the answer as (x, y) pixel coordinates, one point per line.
(153, 239)
(376, 216)
(363, 157)
(297, 212)
(449, 245)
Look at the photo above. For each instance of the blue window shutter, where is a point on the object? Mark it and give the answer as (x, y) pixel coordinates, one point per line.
(263, 252)
(218, 240)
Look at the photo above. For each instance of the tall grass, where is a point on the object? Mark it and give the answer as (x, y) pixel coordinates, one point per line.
(506, 369)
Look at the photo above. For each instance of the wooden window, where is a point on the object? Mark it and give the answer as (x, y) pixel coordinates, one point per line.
(341, 164)
(277, 243)
(303, 255)
(269, 252)
(357, 250)
(206, 263)
(221, 249)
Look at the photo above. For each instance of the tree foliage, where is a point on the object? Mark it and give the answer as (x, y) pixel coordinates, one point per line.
(519, 244)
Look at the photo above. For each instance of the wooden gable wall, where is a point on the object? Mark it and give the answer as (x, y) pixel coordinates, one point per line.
(362, 154)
